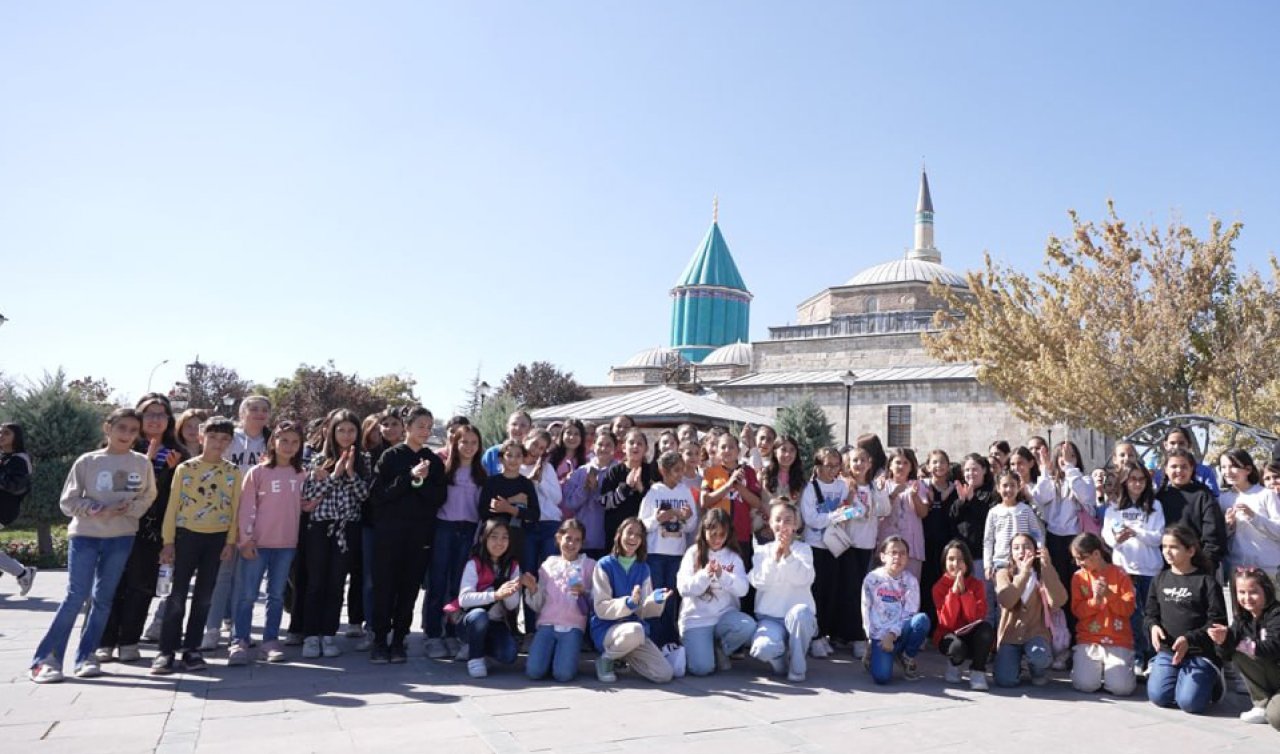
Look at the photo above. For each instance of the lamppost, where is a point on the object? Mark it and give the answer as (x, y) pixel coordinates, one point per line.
(848, 378)
(227, 402)
(153, 373)
(483, 389)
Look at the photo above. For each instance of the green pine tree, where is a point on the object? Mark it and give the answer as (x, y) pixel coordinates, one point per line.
(491, 421)
(807, 422)
(60, 425)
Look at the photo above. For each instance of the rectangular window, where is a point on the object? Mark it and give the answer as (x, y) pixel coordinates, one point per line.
(899, 435)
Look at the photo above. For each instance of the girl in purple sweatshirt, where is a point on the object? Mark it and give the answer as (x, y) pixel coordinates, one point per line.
(270, 507)
(561, 595)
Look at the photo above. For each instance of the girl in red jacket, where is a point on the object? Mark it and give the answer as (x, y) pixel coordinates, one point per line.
(962, 633)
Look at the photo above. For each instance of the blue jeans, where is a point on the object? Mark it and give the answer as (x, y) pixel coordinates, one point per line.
(223, 603)
(1190, 686)
(732, 630)
(774, 635)
(557, 651)
(94, 568)
(662, 574)
(274, 562)
(914, 634)
(453, 541)
(488, 638)
(539, 544)
(1008, 665)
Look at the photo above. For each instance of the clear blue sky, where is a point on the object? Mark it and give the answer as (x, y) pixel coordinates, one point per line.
(429, 187)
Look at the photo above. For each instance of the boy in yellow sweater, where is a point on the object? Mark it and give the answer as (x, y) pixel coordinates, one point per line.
(199, 531)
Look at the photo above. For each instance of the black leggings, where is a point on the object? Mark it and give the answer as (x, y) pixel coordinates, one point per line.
(975, 646)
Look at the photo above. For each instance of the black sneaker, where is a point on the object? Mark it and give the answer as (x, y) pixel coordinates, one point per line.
(194, 661)
(162, 665)
(379, 655)
(398, 654)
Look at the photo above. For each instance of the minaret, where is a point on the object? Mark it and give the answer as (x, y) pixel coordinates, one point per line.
(710, 304)
(924, 250)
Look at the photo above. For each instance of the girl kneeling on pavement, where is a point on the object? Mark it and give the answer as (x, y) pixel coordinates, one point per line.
(561, 596)
(712, 578)
(624, 598)
(490, 589)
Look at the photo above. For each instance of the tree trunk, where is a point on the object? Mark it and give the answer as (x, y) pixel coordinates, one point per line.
(44, 538)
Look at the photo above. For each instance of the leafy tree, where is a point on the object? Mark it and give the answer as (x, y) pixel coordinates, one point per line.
(540, 385)
(491, 421)
(91, 390)
(314, 391)
(1119, 328)
(60, 425)
(807, 422)
(394, 389)
(209, 386)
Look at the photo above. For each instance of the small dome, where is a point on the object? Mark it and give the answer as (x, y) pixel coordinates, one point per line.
(655, 357)
(734, 353)
(908, 271)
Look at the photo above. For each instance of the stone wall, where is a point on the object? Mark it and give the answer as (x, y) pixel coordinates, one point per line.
(959, 416)
(841, 352)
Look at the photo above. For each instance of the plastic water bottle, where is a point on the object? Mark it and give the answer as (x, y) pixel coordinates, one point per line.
(164, 582)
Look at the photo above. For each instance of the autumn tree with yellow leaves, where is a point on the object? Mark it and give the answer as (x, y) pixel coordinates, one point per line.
(1122, 327)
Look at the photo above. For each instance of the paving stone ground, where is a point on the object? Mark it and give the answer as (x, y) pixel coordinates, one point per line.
(348, 704)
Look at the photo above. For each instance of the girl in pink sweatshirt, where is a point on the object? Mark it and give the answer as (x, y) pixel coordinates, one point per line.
(270, 506)
(561, 595)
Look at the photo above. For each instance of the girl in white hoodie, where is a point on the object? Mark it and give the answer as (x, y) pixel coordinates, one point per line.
(711, 580)
(1074, 496)
(1132, 529)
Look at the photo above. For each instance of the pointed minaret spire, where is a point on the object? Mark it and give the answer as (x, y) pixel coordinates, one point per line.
(715, 208)
(924, 249)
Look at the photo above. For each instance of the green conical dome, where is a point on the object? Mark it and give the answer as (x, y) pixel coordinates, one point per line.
(711, 305)
(712, 264)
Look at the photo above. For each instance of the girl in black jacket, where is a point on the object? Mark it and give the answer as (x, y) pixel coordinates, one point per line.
(15, 483)
(1253, 643)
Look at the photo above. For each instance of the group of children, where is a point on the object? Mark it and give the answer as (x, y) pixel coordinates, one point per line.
(675, 559)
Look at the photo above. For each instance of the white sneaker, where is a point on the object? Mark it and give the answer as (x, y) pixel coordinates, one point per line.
(819, 648)
(1254, 715)
(89, 669)
(25, 579)
(103, 654)
(364, 641)
(977, 681)
(128, 653)
(795, 677)
(311, 647)
(436, 649)
(329, 646)
(464, 653)
(604, 670)
(778, 665)
(354, 630)
(953, 673)
(211, 638)
(45, 673)
(476, 668)
(859, 650)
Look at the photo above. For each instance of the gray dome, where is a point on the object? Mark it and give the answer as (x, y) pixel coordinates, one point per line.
(908, 271)
(734, 353)
(655, 357)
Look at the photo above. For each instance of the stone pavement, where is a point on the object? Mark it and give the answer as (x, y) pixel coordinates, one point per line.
(347, 703)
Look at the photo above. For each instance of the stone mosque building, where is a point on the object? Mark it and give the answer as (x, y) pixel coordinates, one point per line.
(856, 344)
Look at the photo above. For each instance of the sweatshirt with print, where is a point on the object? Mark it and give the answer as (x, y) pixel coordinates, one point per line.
(106, 493)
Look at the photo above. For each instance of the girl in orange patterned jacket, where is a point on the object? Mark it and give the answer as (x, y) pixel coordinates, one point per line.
(1102, 600)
